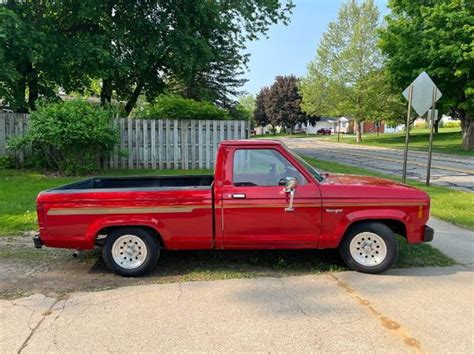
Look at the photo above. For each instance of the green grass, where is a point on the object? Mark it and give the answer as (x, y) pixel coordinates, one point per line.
(18, 191)
(447, 141)
(456, 207)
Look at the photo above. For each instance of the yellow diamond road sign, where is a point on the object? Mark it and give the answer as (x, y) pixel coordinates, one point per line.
(422, 93)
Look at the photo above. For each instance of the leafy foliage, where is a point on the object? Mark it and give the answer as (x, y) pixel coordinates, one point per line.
(283, 103)
(70, 137)
(436, 37)
(175, 107)
(452, 124)
(347, 76)
(6, 162)
(243, 110)
(193, 48)
(259, 114)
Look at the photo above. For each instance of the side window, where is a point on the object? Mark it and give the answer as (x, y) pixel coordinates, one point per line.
(262, 167)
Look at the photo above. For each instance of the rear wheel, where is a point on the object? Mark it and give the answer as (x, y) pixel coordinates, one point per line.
(130, 251)
(369, 248)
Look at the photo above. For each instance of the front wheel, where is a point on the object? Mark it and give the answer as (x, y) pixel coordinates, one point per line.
(130, 251)
(369, 248)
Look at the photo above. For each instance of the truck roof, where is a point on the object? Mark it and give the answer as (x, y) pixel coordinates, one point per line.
(253, 142)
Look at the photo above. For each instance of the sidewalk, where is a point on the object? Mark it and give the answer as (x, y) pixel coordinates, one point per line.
(414, 310)
(455, 242)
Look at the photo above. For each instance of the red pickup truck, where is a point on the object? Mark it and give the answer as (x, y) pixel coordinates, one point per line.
(262, 196)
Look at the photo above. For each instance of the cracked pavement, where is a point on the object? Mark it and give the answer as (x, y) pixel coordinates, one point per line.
(452, 171)
(407, 310)
(403, 310)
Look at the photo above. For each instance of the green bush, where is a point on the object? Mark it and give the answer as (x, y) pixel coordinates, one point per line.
(6, 162)
(69, 137)
(175, 107)
(453, 124)
(420, 125)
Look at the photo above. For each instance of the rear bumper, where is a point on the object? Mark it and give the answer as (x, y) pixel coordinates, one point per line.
(37, 241)
(428, 234)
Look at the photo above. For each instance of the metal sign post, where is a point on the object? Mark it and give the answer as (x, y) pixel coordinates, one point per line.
(407, 134)
(338, 130)
(418, 96)
(430, 146)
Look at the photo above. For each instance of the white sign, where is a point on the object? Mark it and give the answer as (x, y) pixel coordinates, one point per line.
(422, 93)
(430, 113)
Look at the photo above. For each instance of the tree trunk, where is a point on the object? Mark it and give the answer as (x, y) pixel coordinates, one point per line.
(106, 92)
(133, 98)
(19, 93)
(436, 126)
(33, 94)
(358, 131)
(467, 126)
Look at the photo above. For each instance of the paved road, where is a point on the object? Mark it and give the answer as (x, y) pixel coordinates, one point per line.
(405, 310)
(448, 170)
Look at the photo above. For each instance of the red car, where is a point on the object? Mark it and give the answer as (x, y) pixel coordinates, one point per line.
(261, 196)
(324, 131)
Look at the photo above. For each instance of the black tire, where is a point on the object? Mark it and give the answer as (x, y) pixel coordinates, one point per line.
(149, 242)
(384, 235)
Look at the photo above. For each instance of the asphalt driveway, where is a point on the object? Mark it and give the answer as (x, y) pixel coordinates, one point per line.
(447, 170)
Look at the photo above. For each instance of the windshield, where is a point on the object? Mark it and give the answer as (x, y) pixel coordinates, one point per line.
(310, 168)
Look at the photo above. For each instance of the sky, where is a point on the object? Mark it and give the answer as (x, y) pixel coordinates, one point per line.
(289, 49)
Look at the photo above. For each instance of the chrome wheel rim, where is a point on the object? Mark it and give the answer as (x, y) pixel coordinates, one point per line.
(368, 249)
(129, 251)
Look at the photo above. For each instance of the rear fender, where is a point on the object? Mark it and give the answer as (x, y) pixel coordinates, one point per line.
(116, 220)
(332, 239)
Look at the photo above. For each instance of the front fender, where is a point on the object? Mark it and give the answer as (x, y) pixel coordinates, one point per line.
(117, 220)
(332, 236)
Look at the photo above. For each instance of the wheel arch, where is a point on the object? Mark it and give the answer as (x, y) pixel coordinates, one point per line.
(395, 220)
(397, 226)
(98, 231)
(103, 233)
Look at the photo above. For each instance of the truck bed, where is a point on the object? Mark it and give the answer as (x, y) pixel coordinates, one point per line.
(139, 182)
(72, 215)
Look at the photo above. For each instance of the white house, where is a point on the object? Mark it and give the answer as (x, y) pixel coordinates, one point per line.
(335, 124)
(390, 129)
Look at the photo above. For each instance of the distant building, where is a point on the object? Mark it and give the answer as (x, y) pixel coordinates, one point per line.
(390, 129)
(336, 124)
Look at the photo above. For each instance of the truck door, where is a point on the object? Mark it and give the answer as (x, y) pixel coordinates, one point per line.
(255, 205)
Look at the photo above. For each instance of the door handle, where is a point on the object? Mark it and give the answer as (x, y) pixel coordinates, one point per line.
(239, 196)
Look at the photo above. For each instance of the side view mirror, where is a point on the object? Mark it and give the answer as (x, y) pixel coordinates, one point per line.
(290, 183)
(290, 186)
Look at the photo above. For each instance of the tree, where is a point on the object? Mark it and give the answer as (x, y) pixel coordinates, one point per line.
(134, 47)
(436, 37)
(22, 49)
(344, 77)
(244, 109)
(216, 47)
(259, 114)
(283, 103)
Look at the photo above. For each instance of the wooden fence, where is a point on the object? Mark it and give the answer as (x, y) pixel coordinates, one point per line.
(150, 143)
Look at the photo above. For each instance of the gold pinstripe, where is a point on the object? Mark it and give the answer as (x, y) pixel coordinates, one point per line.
(191, 208)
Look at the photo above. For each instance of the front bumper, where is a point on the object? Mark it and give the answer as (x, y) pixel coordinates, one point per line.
(428, 234)
(37, 241)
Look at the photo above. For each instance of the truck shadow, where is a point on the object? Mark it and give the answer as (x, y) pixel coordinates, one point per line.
(196, 265)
